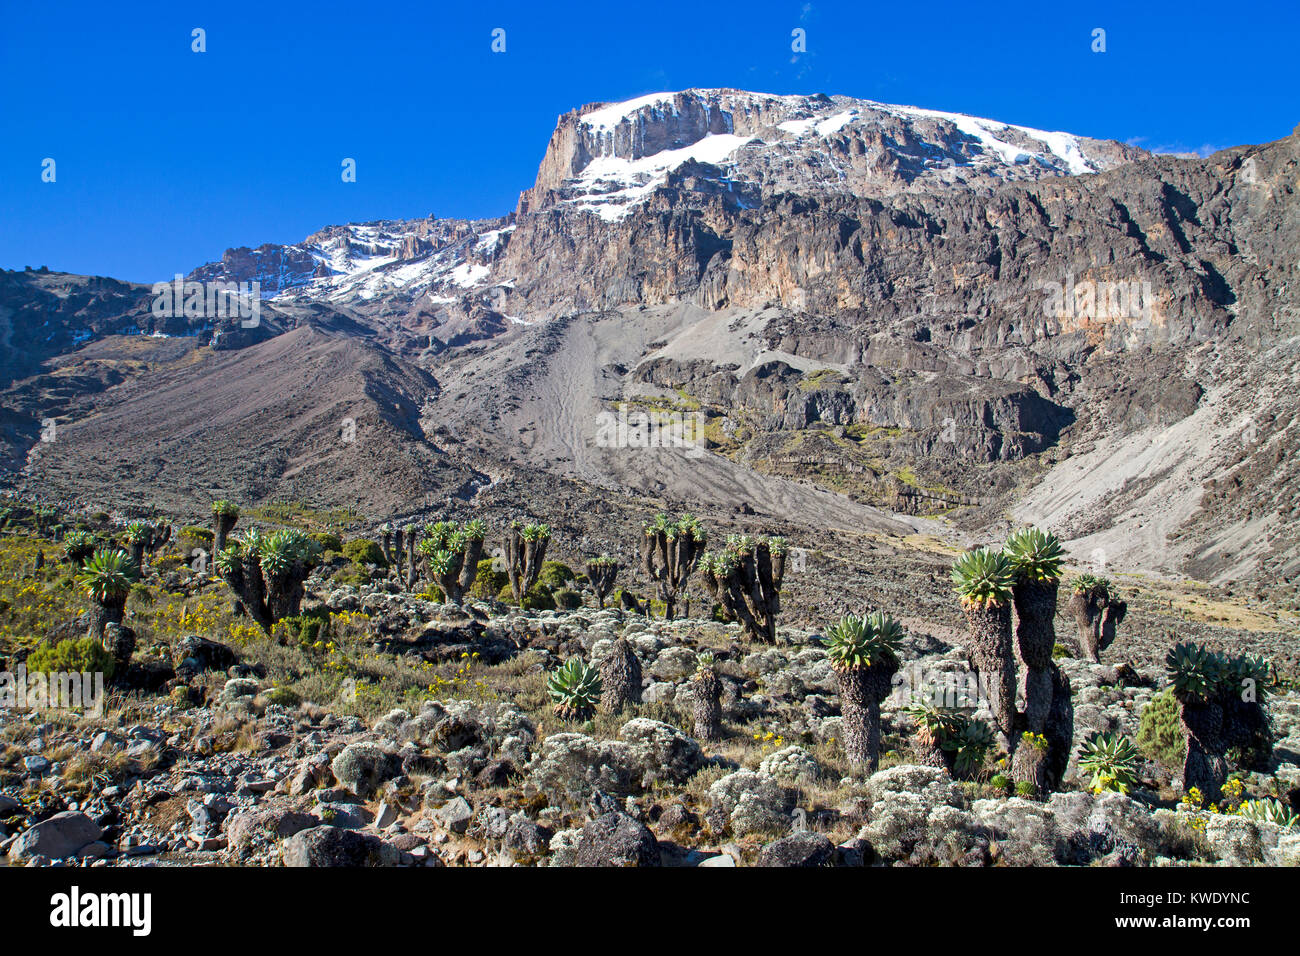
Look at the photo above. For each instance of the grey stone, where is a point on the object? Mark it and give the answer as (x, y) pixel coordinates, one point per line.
(56, 838)
(250, 830)
(239, 687)
(617, 839)
(722, 859)
(104, 741)
(334, 847)
(455, 815)
(386, 816)
(36, 764)
(799, 849)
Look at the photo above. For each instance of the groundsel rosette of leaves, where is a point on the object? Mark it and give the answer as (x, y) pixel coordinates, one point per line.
(1090, 582)
(934, 725)
(1112, 761)
(108, 575)
(951, 739)
(969, 745)
(575, 689)
(107, 578)
(1269, 811)
(78, 546)
(983, 576)
(1035, 555)
(1199, 674)
(856, 642)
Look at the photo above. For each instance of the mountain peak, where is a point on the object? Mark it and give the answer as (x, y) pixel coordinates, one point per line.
(605, 158)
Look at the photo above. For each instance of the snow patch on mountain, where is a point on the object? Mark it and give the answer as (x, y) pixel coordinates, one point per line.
(1063, 146)
(631, 147)
(607, 117)
(612, 186)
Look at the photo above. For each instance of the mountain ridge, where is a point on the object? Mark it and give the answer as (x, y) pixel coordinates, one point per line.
(865, 299)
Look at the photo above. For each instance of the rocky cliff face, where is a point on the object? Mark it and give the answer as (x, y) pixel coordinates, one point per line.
(918, 310)
(44, 314)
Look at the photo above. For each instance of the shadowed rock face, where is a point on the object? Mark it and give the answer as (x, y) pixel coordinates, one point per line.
(43, 314)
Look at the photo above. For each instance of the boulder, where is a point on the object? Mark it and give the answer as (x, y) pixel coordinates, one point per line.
(616, 839)
(798, 849)
(332, 846)
(249, 829)
(57, 838)
(674, 664)
(194, 655)
(523, 837)
(454, 815)
(239, 687)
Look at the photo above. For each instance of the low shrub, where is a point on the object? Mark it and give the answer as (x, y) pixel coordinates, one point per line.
(554, 575)
(284, 696)
(488, 582)
(364, 551)
(304, 630)
(538, 598)
(327, 540)
(352, 575)
(86, 655)
(567, 599)
(192, 537)
(1159, 736)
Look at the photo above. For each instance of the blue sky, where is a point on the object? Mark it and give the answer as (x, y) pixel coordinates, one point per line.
(166, 157)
